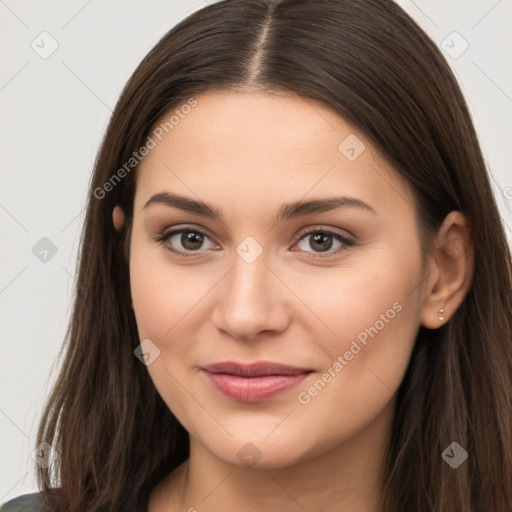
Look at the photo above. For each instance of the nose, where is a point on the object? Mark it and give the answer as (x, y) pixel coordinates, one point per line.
(252, 300)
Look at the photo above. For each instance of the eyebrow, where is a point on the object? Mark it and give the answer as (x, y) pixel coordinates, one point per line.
(287, 211)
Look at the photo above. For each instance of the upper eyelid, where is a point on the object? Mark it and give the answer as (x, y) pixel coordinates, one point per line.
(175, 230)
(302, 233)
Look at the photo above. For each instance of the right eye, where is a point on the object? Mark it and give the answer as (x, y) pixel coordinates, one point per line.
(191, 239)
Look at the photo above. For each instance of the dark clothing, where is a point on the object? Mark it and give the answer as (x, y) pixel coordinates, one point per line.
(25, 503)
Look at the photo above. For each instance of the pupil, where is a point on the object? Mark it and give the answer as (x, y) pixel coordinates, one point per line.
(321, 238)
(191, 240)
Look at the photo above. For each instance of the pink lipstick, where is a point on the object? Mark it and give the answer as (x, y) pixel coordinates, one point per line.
(253, 382)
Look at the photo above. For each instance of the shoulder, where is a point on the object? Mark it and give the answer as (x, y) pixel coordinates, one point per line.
(26, 503)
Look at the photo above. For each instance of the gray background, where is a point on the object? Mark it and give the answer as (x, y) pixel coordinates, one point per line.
(54, 111)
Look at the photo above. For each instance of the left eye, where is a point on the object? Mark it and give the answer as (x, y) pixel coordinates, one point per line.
(191, 241)
(323, 240)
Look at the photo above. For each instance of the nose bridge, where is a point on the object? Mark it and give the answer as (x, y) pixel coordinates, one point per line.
(251, 298)
(249, 278)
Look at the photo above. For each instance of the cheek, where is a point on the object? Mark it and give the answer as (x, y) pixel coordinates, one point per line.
(373, 310)
(163, 300)
(372, 299)
(162, 292)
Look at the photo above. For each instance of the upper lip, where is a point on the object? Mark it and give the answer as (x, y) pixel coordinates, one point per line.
(257, 369)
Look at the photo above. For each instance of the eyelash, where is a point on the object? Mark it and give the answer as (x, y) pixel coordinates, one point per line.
(164, 236)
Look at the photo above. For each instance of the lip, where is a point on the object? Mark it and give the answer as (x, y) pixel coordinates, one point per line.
(253, 382)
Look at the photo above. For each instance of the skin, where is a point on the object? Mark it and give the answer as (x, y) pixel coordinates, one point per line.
(246, 154)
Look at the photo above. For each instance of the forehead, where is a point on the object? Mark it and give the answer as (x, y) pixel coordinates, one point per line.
(263, 145)
(279, 121)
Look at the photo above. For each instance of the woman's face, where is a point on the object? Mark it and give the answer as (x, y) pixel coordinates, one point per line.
(340, 304)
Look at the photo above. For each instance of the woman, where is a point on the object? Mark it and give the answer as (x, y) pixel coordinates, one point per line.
(294, 285)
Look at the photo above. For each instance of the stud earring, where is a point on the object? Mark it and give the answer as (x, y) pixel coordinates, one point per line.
(441, 317)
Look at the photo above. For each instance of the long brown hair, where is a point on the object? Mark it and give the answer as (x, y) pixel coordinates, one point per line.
(371, 63)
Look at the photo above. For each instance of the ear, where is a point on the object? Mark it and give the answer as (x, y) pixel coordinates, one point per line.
(451, 271)
(118, 217)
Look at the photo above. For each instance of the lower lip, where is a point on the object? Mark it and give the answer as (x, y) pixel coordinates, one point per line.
(253, 389)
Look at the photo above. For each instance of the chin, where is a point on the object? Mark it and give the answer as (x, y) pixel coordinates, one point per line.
(259, 451)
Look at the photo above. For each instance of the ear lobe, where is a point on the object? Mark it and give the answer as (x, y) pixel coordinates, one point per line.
(450, 280)
(118, 218)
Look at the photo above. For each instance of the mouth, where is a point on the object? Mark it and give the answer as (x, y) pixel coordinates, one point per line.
(253, 382)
